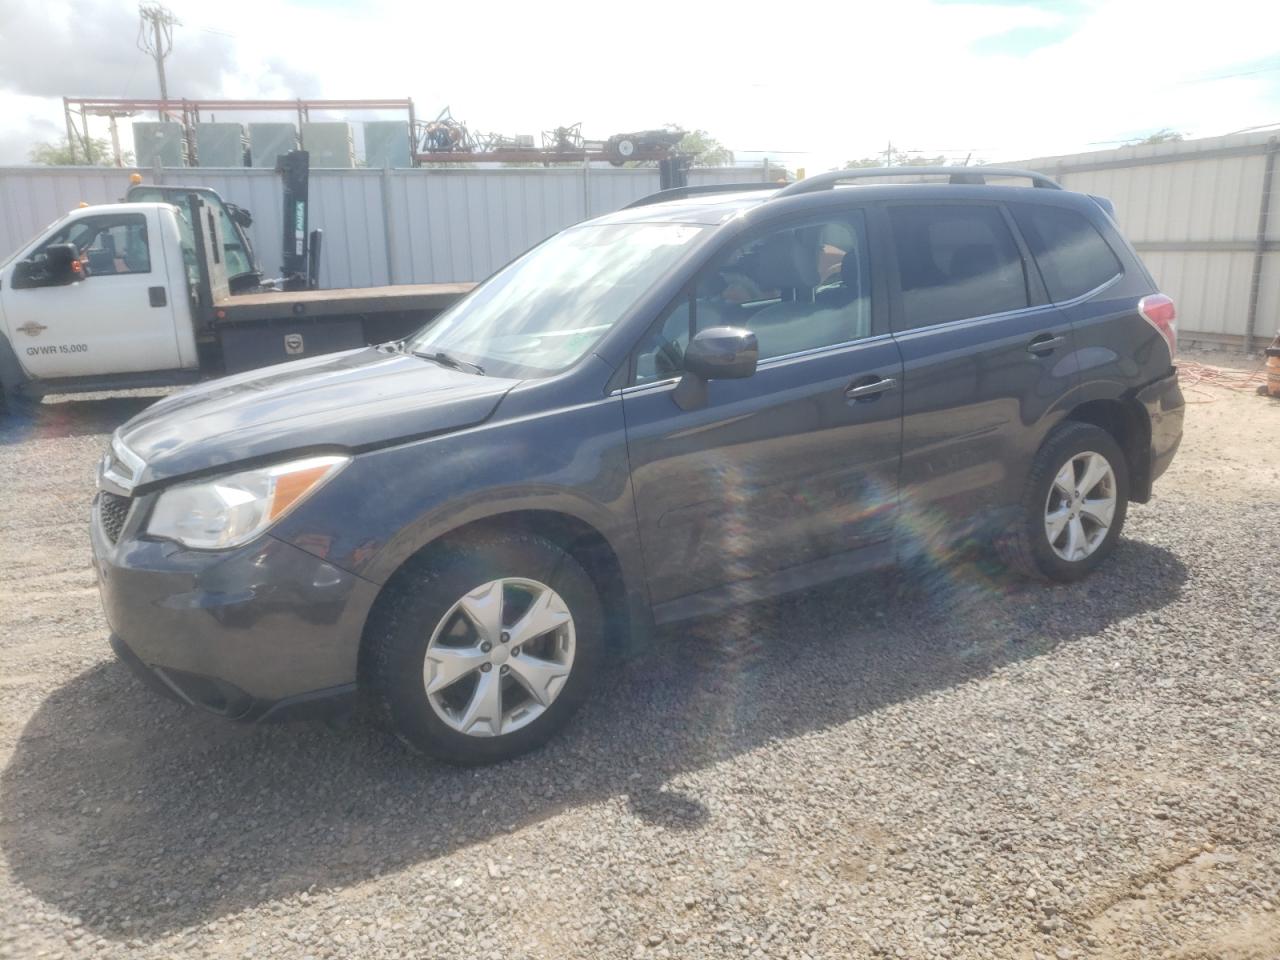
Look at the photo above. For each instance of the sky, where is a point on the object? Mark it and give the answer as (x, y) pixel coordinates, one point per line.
(809, 86)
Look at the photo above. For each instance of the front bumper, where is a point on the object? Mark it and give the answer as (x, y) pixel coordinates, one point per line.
(260, 632)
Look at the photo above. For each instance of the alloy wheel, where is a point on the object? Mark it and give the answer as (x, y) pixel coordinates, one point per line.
(1080, 506)
(499, 657)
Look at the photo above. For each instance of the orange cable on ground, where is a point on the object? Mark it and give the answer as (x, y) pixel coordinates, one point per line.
(1193, 374)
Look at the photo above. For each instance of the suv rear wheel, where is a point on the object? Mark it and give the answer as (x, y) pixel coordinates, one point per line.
(1073, 507)
(486, 648)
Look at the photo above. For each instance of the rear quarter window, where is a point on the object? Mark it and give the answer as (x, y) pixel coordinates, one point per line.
(1073, 256)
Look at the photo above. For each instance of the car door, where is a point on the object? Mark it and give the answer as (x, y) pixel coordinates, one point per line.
(781, 471)
(116, 318)
(984, 357)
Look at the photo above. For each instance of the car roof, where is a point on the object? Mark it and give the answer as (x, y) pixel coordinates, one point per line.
(711, 208)
(719, 208)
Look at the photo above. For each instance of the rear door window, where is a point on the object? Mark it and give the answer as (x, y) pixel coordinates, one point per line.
(1073, 256)
(955, 261)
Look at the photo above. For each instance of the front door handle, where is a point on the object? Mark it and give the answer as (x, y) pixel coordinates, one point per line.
(869, 391)
(158, 296)
(1045, 344)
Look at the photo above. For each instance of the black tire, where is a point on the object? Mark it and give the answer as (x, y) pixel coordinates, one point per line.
(15, 405)
(1025, 547)
(418, 599)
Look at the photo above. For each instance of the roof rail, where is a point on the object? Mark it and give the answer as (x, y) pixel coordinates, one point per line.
(679, 193)
(823, 181)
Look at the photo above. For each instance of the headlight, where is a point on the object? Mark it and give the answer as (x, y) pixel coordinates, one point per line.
(231, 510)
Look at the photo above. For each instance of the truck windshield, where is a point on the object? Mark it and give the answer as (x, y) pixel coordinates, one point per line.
(544, 311)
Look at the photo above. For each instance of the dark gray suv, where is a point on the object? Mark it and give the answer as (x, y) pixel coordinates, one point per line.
(706, 398)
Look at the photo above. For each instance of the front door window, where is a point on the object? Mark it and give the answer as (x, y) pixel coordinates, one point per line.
(797, 288)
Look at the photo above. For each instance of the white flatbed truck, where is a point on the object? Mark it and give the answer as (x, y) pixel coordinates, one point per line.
(136, 294)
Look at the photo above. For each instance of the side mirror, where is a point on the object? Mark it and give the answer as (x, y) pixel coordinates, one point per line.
(239, 215)
(717, 353)
(57, 265)
(62, 263)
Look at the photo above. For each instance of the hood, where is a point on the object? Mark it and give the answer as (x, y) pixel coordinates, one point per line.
(365, 398)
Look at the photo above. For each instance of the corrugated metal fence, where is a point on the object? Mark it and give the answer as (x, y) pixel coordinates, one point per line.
(1205, 217)
(380, 226)
(1200, 212)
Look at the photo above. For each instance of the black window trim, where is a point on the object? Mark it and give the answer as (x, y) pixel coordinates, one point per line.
(1037, 296)
(877, 270)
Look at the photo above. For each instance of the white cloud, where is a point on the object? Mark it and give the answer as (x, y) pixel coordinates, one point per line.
(832, 80)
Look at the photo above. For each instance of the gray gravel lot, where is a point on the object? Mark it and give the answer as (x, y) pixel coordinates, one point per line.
(949, 763)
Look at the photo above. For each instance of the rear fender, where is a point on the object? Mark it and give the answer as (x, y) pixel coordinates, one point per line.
(1146, 422)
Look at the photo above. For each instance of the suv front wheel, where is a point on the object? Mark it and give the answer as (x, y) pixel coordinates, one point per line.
(485, 648)
(1073, 506)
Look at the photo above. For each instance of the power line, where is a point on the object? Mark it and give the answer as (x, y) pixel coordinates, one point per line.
(218, 33)
(1261, 126)
(1232, 76)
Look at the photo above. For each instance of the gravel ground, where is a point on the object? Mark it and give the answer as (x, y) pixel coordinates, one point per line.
(946, 764)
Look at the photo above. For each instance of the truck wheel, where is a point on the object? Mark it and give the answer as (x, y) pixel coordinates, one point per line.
(1073, 507)
(485, 648)
(16, 405)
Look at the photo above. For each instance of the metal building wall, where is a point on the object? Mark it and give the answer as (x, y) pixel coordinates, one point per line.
(1191, 209)
(33, 197)
(380, 226)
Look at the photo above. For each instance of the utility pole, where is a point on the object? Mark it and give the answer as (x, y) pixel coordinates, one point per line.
(115, 139)
(888, 154)
(155, 38)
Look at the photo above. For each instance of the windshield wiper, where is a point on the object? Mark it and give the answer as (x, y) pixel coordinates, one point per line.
(448, 360)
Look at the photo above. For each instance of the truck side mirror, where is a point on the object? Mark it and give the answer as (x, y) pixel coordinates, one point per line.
(239, 215)
(717, 353)
(62, 264)
(56, 265)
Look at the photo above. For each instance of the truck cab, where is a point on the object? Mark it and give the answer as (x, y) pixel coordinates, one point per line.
(104, 292)
(244, 274)
(154, 294)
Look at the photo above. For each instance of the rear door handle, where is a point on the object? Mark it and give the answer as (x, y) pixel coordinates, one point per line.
(1045, 344)
(869, 391)
(158, 296)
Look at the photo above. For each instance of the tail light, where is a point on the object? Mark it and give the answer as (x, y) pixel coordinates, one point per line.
(1158, 310)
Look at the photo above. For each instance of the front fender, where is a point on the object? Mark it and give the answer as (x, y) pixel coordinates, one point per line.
(390, 503)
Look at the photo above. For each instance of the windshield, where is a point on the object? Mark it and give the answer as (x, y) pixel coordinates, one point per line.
(544, 311)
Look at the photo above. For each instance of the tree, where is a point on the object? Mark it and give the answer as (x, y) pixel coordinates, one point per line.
(918, 161)
(1163, 135)
(705, 149)
(96, 153)
(898, 159)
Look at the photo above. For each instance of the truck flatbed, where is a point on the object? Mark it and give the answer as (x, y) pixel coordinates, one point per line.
(346, 301)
